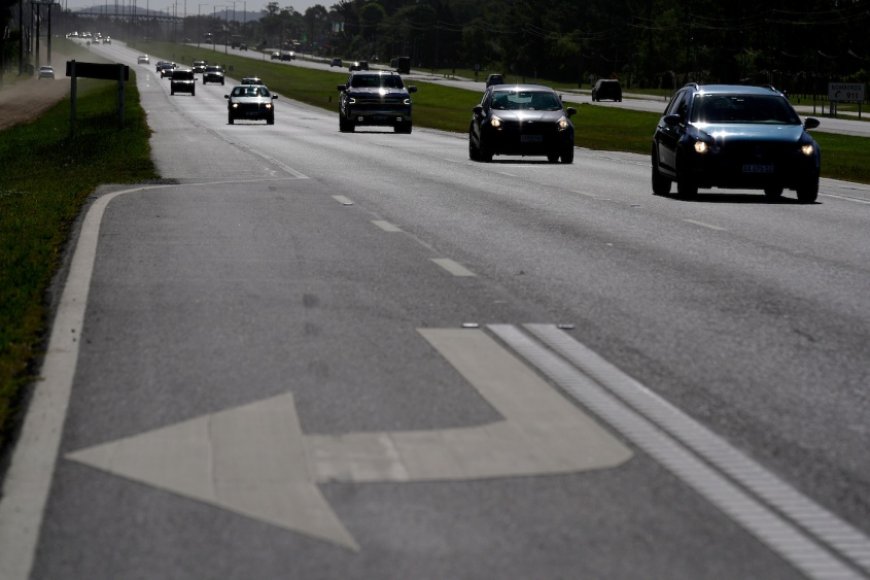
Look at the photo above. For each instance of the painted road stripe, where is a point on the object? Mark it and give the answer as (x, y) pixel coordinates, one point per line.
(454, 268)
(26, 487)
(705, 225)
(386, 226)
(821, 523)
(774, 530)
(342, 200)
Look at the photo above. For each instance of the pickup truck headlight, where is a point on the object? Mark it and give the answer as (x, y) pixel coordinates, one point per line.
(495, 122)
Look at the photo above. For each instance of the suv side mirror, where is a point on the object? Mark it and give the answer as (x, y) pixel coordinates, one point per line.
(672, 120)
(571, 111)
(478, 110)
(811, 123)
(412, 89)
(341, 88)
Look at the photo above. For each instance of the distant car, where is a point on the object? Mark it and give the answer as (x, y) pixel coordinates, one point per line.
(199, 66)
(107, 40)
(607, 90)
(45, 72)
(494, 79)
(335, 62)
(213, 74)
(287, 55)
(165, 69)
(143, 59)
(252, 81)
(521, 120)
(182, 81)
(276, 55)
(359, 65)
(251, 102)
(734, 136)
(375, 98)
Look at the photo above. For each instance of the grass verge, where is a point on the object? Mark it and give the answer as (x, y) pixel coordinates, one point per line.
(46, 179)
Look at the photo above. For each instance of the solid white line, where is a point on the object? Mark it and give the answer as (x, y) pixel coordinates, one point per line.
(705, 225)
(342, 200)
(454, 268)
(767, 525)
(847, 198)
(386, 226)
(821, 523)
(28, 480)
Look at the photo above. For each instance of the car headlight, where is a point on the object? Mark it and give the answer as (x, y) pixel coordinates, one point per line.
(563, 123)
(495, 122)
(808, 149)
(701, 147)
(268, 105)
(235, 105)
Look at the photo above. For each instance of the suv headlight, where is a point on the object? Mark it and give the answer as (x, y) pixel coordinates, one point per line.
(701, 147)
(808, 149)
(495, 121)
(562, 123)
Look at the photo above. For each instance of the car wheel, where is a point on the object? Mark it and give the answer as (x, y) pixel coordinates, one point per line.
(568, 156)
(230, 119)
(344, 125)
(661, 185)
(809, 191)
(773, 191)
(553, 157)
(193, 93)
(270, 120)
(403, 128)
(222, 82)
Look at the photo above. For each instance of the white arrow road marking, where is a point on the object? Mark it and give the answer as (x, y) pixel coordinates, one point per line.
(255, 460)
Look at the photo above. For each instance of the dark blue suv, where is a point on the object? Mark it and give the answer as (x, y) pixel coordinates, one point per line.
(734, 136)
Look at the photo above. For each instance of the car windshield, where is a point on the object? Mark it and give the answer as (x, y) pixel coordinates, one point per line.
(765, 109)
(526, 100)
(213, 69)
(250, 91)
(391, 81)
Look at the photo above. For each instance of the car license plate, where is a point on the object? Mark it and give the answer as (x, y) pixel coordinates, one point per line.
(752, 168)
(531, 138)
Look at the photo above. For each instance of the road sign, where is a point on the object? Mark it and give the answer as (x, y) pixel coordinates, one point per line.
(846, 92)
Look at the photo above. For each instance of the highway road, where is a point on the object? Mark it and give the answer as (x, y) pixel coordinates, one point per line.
(308, 354)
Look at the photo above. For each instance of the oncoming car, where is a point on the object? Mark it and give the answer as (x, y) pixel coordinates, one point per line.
(213, 74)
(734, 136)
(251, 81)
(521, 120)
(250, 102)
(375, 98)
(182, 81)
(45, 72)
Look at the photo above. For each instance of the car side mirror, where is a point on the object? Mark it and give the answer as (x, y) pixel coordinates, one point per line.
(478, 110)
(811, 123)
(226, 96)
(341, 88)
(274, 97)
(672, 120)
(412, 89)
(571, 111)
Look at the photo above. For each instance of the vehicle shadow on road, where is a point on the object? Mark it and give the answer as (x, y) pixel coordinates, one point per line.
(743, 198)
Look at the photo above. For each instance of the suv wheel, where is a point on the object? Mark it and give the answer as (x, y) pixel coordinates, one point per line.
(344, 125)
(773, 191)
(230, 119)
(403, 127)
(809, 191)
(568, 156)
(661, 185)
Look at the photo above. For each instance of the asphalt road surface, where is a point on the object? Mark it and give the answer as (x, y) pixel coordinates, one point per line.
(308, 354)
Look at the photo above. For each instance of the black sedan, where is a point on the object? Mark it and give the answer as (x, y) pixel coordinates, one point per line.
(252, 102)
(213, 74)
(521, 120)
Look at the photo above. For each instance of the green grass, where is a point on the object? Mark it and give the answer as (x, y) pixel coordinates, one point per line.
(46, 179)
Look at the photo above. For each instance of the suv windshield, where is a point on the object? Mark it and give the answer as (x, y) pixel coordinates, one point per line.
(391, 81)
(526, 100)
(770, 109)
(250, 91)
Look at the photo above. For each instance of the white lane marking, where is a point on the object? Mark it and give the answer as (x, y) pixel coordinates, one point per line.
(844, 198)
(820, 522)
(767, 525)
(26, 487)
(387, 226)
(255, 460)
(454, 268)
(705, 225)
(342, 200)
